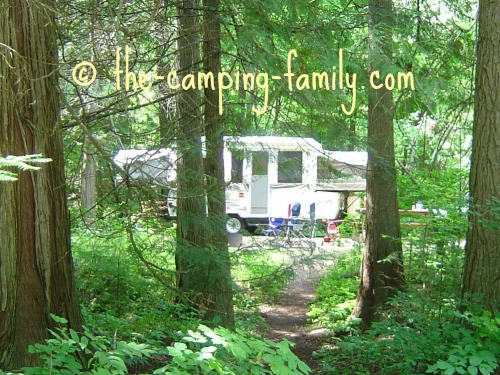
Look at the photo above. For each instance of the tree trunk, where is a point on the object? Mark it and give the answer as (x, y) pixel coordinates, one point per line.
(192, 260)
(166, 108)
(220, 282)
(382, 267)
(36, 270)
(482, 256)
(89, 182)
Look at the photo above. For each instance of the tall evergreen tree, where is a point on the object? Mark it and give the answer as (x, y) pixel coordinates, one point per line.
(382, 268)
(36, 270)
(482, 256)
(202, 257)
(220, 276)
(191, 206)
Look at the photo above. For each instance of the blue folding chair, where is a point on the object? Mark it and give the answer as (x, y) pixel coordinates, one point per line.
(275, 226)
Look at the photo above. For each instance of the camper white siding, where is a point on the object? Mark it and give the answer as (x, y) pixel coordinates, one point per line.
(264, 174)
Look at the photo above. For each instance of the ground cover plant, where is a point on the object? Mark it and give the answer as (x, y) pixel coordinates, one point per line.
(126, 285)
(425, 329)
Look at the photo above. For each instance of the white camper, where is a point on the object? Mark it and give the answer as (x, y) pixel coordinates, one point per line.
(265, 176)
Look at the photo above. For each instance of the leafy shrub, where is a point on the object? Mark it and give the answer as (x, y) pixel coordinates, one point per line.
(204, 350)
(414, 337)
(475, 350)
(336, 294)
(350, 225)
(68, 352)
(127, 286)
(259, 277)
(221, 351)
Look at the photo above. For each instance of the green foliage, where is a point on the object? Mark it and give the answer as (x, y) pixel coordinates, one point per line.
(475, 349)
(221, 351)
(128, 289)
(125, 279)
(419, 331)
(396, 345)
(259, 277)
(336, 294)
(200, 351)
(20, 162)
(414, 337)
(350, 225)
(68, 352)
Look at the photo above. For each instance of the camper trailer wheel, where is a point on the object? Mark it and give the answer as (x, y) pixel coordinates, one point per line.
(234, 224)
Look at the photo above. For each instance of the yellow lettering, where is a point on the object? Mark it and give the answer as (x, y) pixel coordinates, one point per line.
(207, 78)
(289, 73)
(222, 86)
(188, 82)
(143, 78)
(171, 77)
(375, 74)
(321, 79)
(128, 74)
(389, 82)
(264, 85)
(352, 86)
(303, 82)
(405, 77)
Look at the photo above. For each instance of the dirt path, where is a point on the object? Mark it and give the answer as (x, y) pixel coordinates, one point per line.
(287, 318)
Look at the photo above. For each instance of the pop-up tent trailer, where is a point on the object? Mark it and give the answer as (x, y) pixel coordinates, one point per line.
(265, 175)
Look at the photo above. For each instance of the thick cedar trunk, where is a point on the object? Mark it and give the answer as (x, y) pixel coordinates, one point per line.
(202, 258)
(191, 254)
(36, 271)
(482, 256)
(382, 269)
(220, 284)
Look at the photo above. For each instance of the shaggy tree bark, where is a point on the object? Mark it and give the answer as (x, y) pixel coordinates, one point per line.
(193, 255)
(220, 283)
(36, 270)
(202, 258)
(382, 267)
(482, 255)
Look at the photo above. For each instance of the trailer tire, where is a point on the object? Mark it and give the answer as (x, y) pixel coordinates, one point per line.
(234, 224)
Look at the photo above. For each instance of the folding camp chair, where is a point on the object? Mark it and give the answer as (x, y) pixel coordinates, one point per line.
(275, 227)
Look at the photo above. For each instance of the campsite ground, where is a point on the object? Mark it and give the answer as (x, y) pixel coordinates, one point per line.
(287, 318)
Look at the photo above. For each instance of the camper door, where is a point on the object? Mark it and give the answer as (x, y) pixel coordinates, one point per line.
(259, 183)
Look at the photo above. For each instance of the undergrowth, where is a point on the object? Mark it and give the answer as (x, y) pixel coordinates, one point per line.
(336, 294)
(203, 350)
(420, 331)
(125, 274)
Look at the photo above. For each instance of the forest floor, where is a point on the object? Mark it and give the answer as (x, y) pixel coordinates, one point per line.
(287, 318)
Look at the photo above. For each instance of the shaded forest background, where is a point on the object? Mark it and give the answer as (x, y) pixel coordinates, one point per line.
(131, 292)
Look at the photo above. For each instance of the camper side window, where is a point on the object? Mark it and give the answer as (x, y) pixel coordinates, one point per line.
(290, 166)
(236, 169)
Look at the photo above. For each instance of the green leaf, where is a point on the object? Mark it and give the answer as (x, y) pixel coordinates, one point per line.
(59, 319)
(101, 371)
(84, 342)
(74, 335)
(486, 369)
(117, 363)
(8, 176)
(208, 349)
(475, 360)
